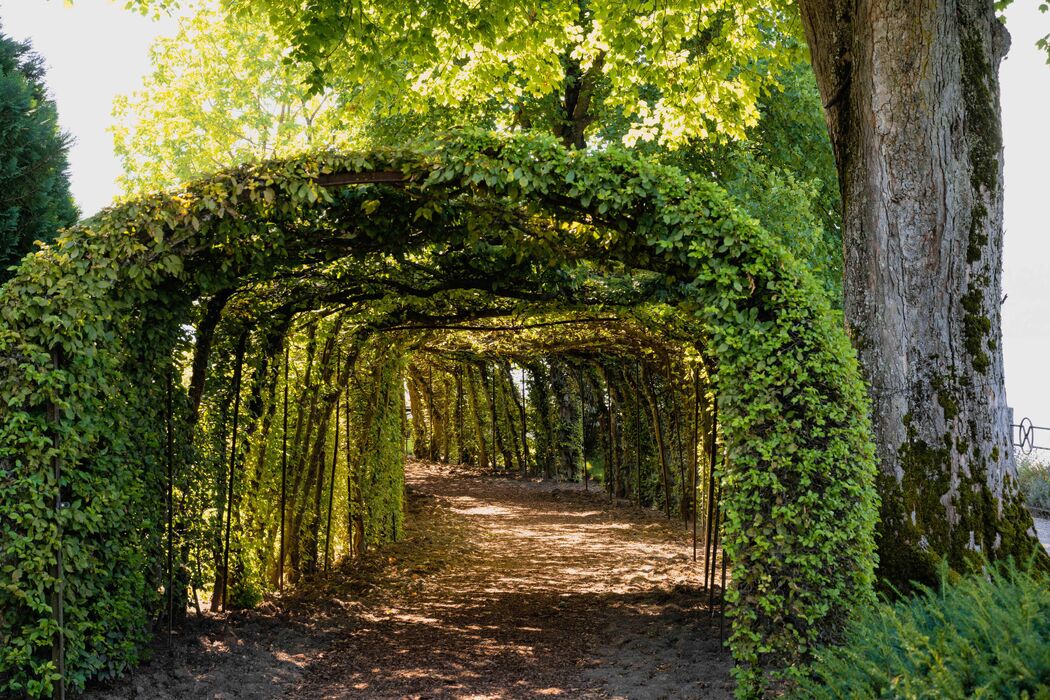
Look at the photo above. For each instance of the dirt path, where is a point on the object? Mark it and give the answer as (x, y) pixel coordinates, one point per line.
(500, 589)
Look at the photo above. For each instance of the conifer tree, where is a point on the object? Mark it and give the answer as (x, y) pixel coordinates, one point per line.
(34, 182)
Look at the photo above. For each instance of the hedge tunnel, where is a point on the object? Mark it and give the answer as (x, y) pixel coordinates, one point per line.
(105, 339)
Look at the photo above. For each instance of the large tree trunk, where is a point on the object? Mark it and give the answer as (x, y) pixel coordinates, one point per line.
(911, 96)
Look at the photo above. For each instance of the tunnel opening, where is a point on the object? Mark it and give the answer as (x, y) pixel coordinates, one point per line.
(149, 350)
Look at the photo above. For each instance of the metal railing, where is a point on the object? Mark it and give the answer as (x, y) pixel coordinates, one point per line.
(1025, 437)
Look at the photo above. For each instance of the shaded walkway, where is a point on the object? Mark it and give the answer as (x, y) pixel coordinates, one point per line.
(501, 589)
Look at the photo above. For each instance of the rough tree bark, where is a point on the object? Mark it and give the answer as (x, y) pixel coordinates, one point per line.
(911, 96)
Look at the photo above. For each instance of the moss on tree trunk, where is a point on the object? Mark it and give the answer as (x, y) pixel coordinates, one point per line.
(912, 103)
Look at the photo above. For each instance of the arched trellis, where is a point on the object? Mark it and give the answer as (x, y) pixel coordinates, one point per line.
(598, 386)
(89, 326)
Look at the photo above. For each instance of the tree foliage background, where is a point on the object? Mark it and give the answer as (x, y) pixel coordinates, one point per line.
(34, 182)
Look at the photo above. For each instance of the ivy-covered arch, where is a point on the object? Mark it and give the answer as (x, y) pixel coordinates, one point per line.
(89, 328)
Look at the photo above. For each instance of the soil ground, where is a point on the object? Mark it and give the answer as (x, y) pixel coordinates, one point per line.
(499, 589)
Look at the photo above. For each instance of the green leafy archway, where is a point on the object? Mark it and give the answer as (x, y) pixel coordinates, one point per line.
(90, 326)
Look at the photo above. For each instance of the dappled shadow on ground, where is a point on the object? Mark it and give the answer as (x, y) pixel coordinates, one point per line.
(500, 589)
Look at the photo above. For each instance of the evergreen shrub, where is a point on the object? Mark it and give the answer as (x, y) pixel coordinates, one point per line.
(981, 636)
(1033, 476)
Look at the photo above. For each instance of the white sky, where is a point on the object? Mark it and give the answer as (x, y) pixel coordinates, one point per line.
(96, 50)
(1026, 266)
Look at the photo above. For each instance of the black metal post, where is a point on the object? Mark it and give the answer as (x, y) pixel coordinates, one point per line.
(714, 554)
(169, 409)
(58, 651)
(713, 452)
(432, 437)
(583, 433)
(331, 483)
(495, 465)
(284, 470)
(349, 475)
(696, 449)
(722, 604)
(233, 464)
(637, 436)
(524, 424)
(607, 474)
(676, 427)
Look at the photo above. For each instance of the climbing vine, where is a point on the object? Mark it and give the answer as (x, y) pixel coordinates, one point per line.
(356, 248)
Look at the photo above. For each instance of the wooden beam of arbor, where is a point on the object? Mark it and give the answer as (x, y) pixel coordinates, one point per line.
(515, 328)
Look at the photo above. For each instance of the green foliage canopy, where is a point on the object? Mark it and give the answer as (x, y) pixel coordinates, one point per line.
(220, 95)
(108, 300)
(702, 78)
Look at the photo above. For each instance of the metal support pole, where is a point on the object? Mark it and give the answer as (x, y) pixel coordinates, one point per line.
(331, 482)
(432, 438)
(722, 604)
(713, 452)
(349, 476)
(608, 476)
(676, 426)
(637, 437)
(461, 442)
(284, 471)
(495, 466)
(714, 553)
(58, 651)
(524, 423)
(583, 421)
(233, 464)
(695, 449)
(169, 409)
(404, 429)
